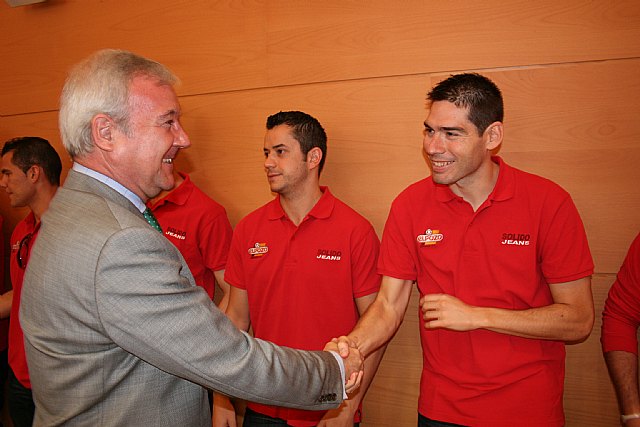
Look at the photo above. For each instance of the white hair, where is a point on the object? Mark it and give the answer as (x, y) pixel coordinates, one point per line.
(100, 85)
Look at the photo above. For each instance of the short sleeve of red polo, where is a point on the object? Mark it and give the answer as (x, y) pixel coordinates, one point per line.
(234, 273)
(364, 256)
(396, 251)
(621, 316)
(215, 240)
(566, 254)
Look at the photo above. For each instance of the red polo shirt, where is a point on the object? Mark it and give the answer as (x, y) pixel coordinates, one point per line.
(301, 281)
(526, 235)
(198, 226)
(621, 315)
(4, 323)
(17, 357)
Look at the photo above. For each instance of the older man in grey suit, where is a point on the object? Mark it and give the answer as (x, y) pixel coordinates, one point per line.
(116, 332)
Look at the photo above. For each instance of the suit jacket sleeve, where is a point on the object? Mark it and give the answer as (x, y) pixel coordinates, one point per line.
(149, 307)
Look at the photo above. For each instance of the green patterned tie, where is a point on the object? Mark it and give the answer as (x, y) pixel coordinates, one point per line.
(151, 219)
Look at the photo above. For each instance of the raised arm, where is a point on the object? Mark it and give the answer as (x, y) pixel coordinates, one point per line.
(569, 318)
(381, 320)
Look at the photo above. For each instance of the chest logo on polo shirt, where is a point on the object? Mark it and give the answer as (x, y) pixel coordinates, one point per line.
(175, 233)
(517, 239)
(430, 237)
(329, 255)
(258, 250)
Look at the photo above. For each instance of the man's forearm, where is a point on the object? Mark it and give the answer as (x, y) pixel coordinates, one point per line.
(371, 364)
(553, 322)
(623, 370)
(350, 406)
(375, 328)
(568, 318)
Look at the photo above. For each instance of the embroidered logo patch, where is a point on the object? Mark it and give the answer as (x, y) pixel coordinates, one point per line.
(516, 239)
(175, 233)
(329, 255)
(430, 237)
(259, 249)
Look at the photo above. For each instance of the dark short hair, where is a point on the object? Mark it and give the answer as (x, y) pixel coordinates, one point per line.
(475, 92)
(306, 129)
(33, 150)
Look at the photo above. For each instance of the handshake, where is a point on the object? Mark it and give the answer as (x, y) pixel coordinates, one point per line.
(352, 358)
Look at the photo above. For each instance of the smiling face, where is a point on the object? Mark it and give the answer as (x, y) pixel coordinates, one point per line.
(286, 167)
(142, 159)
(16, 183)
(457, 152)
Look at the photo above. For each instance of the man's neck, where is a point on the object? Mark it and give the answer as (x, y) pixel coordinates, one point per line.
(298, 205)
(476, 191)
(41, 201)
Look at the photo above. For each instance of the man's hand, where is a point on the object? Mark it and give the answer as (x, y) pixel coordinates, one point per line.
(343, 345)
(353, 365)
(448, 312)
(224, 414)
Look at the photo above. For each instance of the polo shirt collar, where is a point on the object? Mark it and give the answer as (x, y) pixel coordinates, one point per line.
(504, 189)
(30, 221)
(180, 195)
(321, 210)
(506, 185)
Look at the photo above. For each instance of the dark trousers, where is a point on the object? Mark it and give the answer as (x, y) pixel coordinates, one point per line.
(4, 371)
(254, 419)
(21, 406)
(426, 422)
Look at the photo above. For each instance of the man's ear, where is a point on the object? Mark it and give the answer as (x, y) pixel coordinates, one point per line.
(102, 131)
(313, 157)
(493, 135)
(33, 173)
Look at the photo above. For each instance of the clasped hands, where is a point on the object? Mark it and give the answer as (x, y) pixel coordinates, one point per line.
(352, 358)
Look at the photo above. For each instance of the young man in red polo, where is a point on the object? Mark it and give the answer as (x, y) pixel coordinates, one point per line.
(31, 171)
(302, 267)
(502, 263)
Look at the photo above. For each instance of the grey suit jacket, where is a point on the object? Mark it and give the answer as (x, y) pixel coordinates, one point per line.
(117, 333)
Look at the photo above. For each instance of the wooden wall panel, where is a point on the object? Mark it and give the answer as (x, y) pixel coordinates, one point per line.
(569, 71)
(388, 38)
(232, 45)
(218, 45)
(374, 149)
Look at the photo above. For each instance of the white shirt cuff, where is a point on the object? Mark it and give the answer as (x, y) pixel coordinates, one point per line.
(341, 363)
